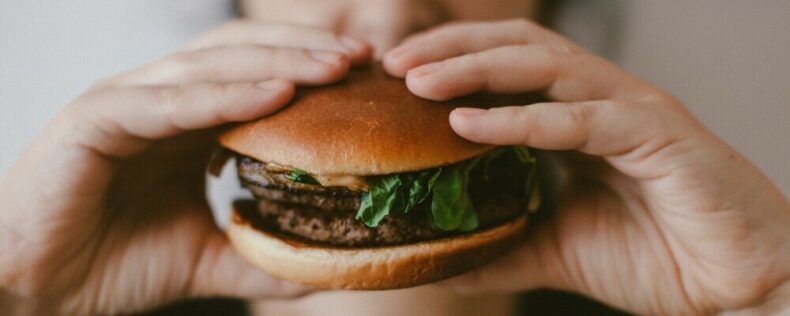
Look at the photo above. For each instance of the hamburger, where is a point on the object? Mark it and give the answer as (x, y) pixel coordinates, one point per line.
(362, 185)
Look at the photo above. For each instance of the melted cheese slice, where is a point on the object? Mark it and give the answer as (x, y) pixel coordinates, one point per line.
(354, 183)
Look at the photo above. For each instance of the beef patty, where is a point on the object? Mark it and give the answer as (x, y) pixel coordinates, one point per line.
(327, 214)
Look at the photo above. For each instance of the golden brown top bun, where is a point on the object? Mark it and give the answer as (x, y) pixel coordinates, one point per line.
(376, 268)
(367, 124)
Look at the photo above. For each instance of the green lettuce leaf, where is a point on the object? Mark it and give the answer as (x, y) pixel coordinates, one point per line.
(420, 187)
(448, 187)
(383, 197)
(448, 204)
(395, 194)
(299, 175)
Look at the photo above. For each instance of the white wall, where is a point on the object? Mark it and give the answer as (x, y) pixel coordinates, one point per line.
(728, 60)
(50, 51)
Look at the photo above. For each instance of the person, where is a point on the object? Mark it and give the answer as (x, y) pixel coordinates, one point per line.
(105, 211)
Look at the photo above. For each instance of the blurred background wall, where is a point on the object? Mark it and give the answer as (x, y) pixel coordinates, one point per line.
(728, 60)
(51, 51)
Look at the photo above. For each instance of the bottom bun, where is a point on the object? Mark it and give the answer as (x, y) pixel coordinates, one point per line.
(373, 268)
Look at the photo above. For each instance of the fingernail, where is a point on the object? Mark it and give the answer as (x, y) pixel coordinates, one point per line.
(469, 112)
(428, 69)
(272, 84)
(396, 52)
(352, 43)
(325, 57)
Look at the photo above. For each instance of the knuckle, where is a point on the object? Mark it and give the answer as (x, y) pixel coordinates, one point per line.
(225, 95)
(207, 63)
(325, 71)
(526, 119)
(581, 114)
(222, 92)
(543, 52)
(78, 106)
(545, 56)
(522, 24)
(249, 52)
(218, 34)
(474, 62)
(182, 64)
(562, 49)
(83, 103)
(169, 103)
(669, 116)
(480, 66)
(88, 97)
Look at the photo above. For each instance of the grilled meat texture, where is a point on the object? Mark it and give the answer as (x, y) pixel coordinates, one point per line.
(326, 202)
(267, 176)
(340, 228)
(327, 214)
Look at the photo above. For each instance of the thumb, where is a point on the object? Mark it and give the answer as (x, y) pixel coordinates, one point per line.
(600, 128)
(121, 121)
(222, 271)
(536, 263)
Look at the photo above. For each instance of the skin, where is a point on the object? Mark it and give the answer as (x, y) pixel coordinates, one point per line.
(105, 211)
(383, 23)
(658, 215)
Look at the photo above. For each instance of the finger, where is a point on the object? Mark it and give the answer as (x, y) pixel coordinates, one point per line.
(565, 76)
(548, 257)
(245, 63)
(603, 128)
(283, 35)
(458, 39)
(534, 264)
(221, 271)
(119, 122)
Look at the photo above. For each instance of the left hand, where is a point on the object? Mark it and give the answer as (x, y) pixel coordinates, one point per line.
(659, 216)
(106, 213)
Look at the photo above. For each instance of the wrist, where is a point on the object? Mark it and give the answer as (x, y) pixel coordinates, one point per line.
(776, 302)
(12, 302)
(13, 305)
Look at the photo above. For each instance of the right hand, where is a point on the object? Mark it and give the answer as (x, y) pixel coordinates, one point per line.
(105, 211)
(657, 215)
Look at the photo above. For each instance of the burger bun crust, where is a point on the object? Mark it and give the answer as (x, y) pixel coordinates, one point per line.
(367, 124)
(374, 268)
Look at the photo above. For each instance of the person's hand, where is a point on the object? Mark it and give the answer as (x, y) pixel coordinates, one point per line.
(658, 216)
(105, 211)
